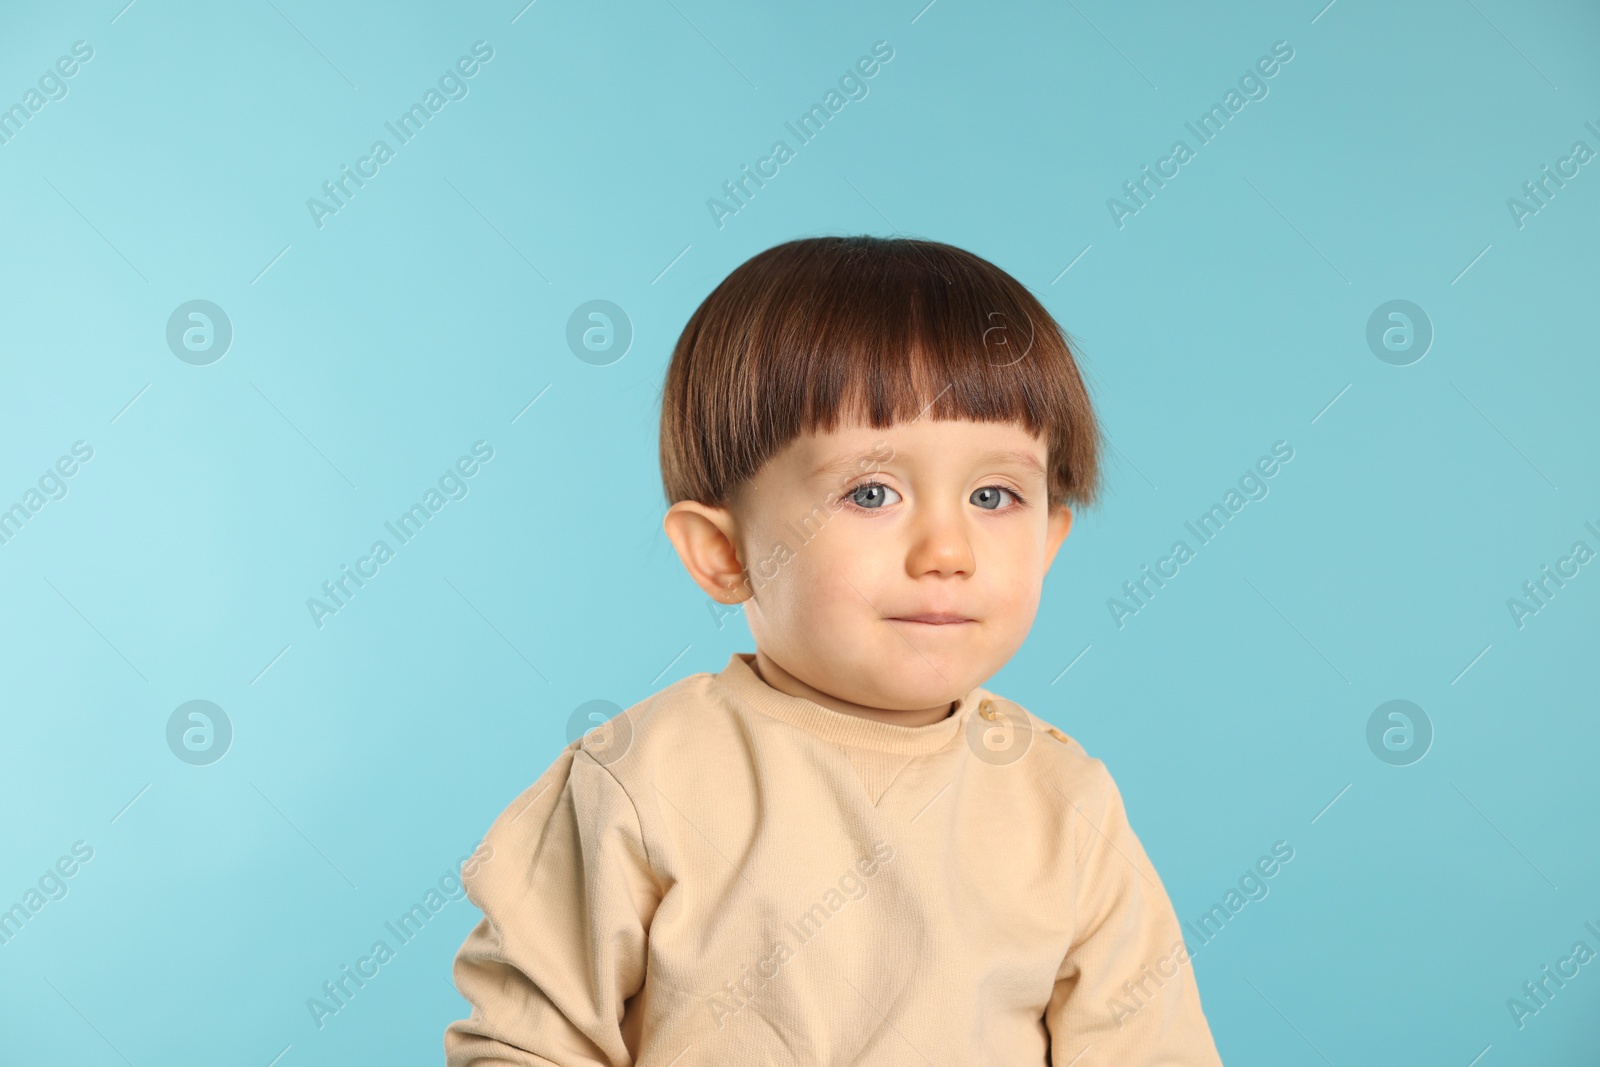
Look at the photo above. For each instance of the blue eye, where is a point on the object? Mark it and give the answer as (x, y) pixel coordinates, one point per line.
(873, 492)
(988, 497)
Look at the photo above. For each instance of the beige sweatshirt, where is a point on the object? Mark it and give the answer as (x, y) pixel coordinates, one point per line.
(730, 875)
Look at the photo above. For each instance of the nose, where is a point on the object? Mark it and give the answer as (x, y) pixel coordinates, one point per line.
(940, 545)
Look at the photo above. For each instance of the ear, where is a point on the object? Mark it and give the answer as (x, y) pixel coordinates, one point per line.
(705, 539)
(1056, 532)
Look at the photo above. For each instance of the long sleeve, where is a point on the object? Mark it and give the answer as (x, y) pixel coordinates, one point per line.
(567, 894)
(1126, 991)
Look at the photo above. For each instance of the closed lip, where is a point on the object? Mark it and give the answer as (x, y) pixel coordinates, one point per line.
(933, 618)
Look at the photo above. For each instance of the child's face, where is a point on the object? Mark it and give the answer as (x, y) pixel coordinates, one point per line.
(836, 565)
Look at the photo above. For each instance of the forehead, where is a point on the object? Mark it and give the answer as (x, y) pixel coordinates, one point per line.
(924, 442)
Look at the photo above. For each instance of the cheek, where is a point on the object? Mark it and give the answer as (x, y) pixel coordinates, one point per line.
(834, 576)
(1016, 562)
(847, 579)
(1017, 596)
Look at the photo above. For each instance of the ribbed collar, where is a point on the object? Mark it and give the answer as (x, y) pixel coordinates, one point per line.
(740, 677)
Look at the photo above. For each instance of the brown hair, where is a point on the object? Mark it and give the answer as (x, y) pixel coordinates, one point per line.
(866, 329)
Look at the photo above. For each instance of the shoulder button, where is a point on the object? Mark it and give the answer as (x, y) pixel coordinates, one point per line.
(986, 708)
(1058, 735)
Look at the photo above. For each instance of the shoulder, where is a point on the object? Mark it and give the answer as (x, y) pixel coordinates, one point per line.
(1053, 762)
(687, 723)
(599, 758)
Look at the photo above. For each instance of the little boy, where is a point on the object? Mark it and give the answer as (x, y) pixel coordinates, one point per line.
(841, 848)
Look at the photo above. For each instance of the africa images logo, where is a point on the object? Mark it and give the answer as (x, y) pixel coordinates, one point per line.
(452, 86)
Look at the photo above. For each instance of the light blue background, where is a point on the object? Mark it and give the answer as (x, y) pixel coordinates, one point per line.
(370, 755)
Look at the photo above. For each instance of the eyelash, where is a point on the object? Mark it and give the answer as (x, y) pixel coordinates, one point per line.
(1022, 501)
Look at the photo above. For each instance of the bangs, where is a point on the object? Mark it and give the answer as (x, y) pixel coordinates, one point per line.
(822, 333)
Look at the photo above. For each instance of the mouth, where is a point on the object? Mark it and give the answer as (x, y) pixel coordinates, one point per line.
(933, 619)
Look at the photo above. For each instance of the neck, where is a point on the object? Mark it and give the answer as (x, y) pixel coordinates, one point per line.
(784, 682)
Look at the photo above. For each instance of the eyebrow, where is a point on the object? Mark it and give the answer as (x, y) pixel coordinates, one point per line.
(844, 464)
(1026, 460)
(851, 463)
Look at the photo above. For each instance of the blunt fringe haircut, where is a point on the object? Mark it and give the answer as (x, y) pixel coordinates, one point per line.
(824, 331)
